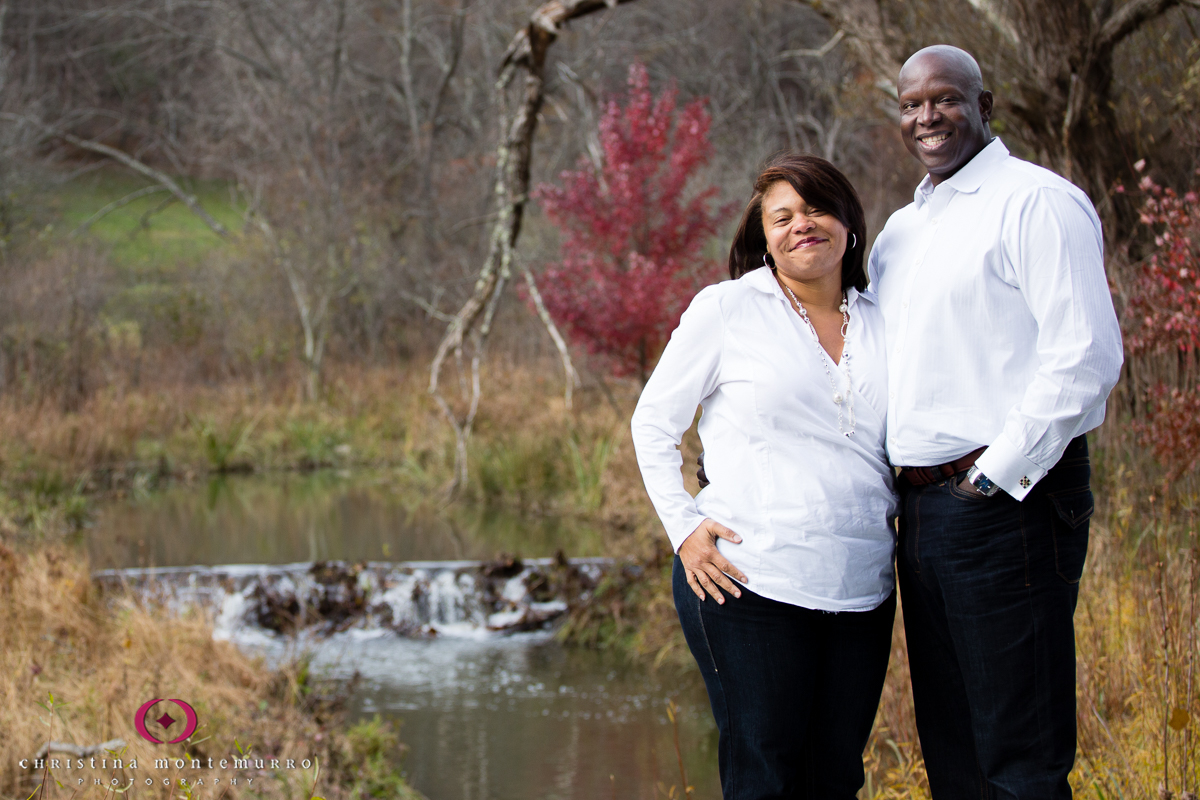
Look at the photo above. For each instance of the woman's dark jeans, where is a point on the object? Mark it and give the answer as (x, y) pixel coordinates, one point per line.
(989, 587)
(794, 691)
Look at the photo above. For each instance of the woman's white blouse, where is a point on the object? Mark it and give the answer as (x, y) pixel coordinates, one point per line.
(814, 507)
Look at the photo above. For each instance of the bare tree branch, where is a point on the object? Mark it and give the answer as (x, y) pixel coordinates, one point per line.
(572, 377)
(996, 16)
(114, 205)
(1128, 18)
(144, 222)
(267, 69)
(511, 192)
(428, 307)
(3, 54)
(863, 23)
(457, 25)
(137, 166)
(820, 52)
(405, 41)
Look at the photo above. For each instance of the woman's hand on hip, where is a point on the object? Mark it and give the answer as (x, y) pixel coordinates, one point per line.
(704, 565)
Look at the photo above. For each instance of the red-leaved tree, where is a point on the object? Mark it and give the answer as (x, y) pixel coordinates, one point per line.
(633, 230)
(1164, 320)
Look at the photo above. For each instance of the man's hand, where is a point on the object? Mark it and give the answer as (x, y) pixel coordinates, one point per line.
(970, 488)
(704, 565)
(700, 476)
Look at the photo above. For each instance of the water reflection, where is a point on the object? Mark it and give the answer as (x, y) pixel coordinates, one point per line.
(279, 519)
(519, 720)
(509, 718)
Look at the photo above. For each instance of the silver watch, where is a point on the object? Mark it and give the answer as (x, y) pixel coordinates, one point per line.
(980, 481)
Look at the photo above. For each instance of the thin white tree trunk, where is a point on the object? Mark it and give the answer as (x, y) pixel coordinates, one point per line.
(511, 190)
(571, 377)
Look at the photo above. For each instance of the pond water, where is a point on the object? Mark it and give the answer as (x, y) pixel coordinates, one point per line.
(518, 720)
(485, 716)
(279, 519)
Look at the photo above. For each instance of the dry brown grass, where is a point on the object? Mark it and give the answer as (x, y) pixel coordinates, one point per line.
(1130, 682)
(366, 416)
(104, 659)
(1141, 566)
(114, 430)
(893, 758)
(1136, 638)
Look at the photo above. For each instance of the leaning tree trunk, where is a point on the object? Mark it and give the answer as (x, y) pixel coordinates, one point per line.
(473, 322)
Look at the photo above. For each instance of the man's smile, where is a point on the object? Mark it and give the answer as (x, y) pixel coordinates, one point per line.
(932, 142)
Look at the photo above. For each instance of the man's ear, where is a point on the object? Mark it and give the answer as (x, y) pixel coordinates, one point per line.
(985, 105)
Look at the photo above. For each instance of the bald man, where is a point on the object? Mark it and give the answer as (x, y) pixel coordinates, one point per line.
(1002, 349)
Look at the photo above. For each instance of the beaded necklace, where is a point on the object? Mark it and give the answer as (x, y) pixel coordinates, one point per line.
(838, 399)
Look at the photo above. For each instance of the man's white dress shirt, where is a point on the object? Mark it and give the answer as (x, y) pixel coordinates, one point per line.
(1000, 327)
(813, 506)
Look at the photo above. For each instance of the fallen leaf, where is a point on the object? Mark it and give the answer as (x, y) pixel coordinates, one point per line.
(1179, 719)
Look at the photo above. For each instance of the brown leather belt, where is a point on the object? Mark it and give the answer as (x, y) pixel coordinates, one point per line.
(923, 476)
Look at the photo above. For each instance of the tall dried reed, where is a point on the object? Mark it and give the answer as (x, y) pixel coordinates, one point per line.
(1136, 654)
(527, 450)
(1136, 623)
(102, 658)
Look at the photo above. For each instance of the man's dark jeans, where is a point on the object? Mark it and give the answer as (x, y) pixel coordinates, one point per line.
(793, 691)
(989, 587)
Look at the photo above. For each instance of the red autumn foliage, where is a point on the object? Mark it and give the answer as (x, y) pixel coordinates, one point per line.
(1163, 318)
(632, 234)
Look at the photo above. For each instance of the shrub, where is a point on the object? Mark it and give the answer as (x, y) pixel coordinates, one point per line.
(632, 252)
(1163, 319)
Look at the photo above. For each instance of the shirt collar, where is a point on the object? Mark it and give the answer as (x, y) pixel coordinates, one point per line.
(970, 176)
(763, 279)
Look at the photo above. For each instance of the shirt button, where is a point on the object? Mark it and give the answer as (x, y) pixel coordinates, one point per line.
(935, 220)
(891, 395)
(905, 305)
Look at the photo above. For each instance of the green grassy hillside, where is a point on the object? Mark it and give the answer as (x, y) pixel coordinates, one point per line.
(151, 231)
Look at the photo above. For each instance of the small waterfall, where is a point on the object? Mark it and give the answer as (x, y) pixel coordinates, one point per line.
(414, 599)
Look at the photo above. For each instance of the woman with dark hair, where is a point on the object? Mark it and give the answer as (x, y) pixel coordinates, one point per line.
(783, 575)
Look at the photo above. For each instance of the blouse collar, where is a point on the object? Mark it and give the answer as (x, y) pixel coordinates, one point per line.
(763, 279)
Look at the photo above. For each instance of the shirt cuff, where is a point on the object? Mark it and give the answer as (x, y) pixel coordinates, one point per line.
(679, 533)
(1007, 467)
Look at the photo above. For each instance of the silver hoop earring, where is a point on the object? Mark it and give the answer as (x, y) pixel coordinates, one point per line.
(853, 241)
(766, 263)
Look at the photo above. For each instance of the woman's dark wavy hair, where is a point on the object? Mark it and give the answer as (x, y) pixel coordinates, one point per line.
(823, 186)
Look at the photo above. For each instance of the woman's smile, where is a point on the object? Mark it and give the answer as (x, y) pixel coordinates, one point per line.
(809, 241)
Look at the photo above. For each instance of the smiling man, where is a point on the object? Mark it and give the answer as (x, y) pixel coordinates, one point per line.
(1002, 349)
